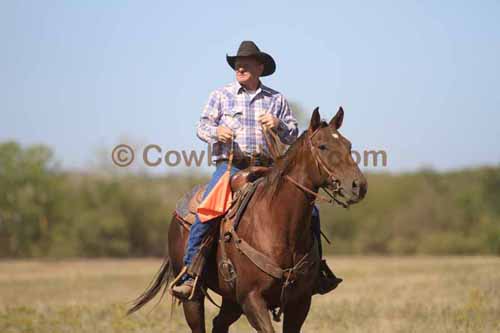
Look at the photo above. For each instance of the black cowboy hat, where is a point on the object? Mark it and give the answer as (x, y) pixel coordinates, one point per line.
(249, 49)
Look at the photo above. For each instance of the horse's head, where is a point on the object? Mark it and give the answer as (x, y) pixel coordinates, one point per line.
(331, 152)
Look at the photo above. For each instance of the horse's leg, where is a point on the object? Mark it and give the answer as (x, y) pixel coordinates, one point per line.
(194, 312)
(295, 314)
(228, 314)
(256, 310)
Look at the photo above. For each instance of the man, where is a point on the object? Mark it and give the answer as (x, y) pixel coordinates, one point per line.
(234, 116)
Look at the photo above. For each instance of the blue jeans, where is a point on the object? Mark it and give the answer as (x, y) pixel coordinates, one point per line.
(198, 229)
(316, 228)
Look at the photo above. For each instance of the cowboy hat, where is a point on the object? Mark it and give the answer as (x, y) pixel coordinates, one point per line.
(249, 49)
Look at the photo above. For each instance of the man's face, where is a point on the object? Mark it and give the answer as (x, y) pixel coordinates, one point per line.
(248, 70)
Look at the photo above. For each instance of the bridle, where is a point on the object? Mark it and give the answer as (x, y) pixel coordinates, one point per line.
(332, 180)
(320, 163)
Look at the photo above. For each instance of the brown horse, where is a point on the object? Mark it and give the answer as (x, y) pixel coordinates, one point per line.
(276, 223)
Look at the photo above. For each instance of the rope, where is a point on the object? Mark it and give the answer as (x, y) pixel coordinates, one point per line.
(231, 154)
(272, 144)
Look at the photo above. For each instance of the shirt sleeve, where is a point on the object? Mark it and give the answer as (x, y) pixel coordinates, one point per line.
(287, 128)
(209, 120)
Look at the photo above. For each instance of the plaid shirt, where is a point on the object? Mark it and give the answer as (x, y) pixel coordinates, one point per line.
(232, 107)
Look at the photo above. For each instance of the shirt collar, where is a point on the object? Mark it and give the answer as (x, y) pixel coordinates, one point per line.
(266, 89)
(238, 88)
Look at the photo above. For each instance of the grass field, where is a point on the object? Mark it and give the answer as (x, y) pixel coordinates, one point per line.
(379, 294)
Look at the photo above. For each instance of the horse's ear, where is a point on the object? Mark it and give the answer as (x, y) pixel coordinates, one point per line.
(315, 120)
(337, 120)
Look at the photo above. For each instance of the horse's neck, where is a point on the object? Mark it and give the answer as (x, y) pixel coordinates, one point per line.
(291, 210)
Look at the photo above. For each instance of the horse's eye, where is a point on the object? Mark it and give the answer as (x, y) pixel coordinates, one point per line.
(322, 147)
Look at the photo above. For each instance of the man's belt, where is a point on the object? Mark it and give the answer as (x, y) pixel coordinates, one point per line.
(243, 162)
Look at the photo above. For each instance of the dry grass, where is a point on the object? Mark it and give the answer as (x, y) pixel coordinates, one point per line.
(379, 294)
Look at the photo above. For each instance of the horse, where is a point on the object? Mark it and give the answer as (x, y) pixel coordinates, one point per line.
(276, 225)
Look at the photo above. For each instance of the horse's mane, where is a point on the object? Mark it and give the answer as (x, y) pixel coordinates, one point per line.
(286, 163)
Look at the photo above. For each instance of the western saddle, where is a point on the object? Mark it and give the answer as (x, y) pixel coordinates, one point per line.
(186, 207)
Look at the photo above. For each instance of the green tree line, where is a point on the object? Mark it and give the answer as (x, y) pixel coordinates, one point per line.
(47, 212)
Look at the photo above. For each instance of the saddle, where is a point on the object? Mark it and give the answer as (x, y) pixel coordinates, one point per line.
(187, 205)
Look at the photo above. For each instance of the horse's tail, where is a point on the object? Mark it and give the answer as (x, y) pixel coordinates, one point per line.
(160, 280)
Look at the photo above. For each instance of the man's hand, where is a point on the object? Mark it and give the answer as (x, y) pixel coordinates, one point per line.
(269, 121)
(224, 134)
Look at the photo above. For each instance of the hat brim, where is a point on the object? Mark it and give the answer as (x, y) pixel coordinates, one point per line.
(266, 59)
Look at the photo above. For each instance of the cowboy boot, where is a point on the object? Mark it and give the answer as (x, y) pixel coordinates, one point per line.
(326, 280)
(189, 276)
(185, 288)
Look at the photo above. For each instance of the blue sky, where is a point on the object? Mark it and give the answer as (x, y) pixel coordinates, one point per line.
(419, 79)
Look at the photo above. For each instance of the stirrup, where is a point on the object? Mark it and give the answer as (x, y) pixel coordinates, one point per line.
(326, 280)
(177, 279)
(325, 270)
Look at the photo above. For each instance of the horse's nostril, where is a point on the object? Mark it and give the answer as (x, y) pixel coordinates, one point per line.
(362, 190)
(355, 188)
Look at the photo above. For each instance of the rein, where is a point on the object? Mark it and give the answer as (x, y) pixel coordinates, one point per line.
(305, 189)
